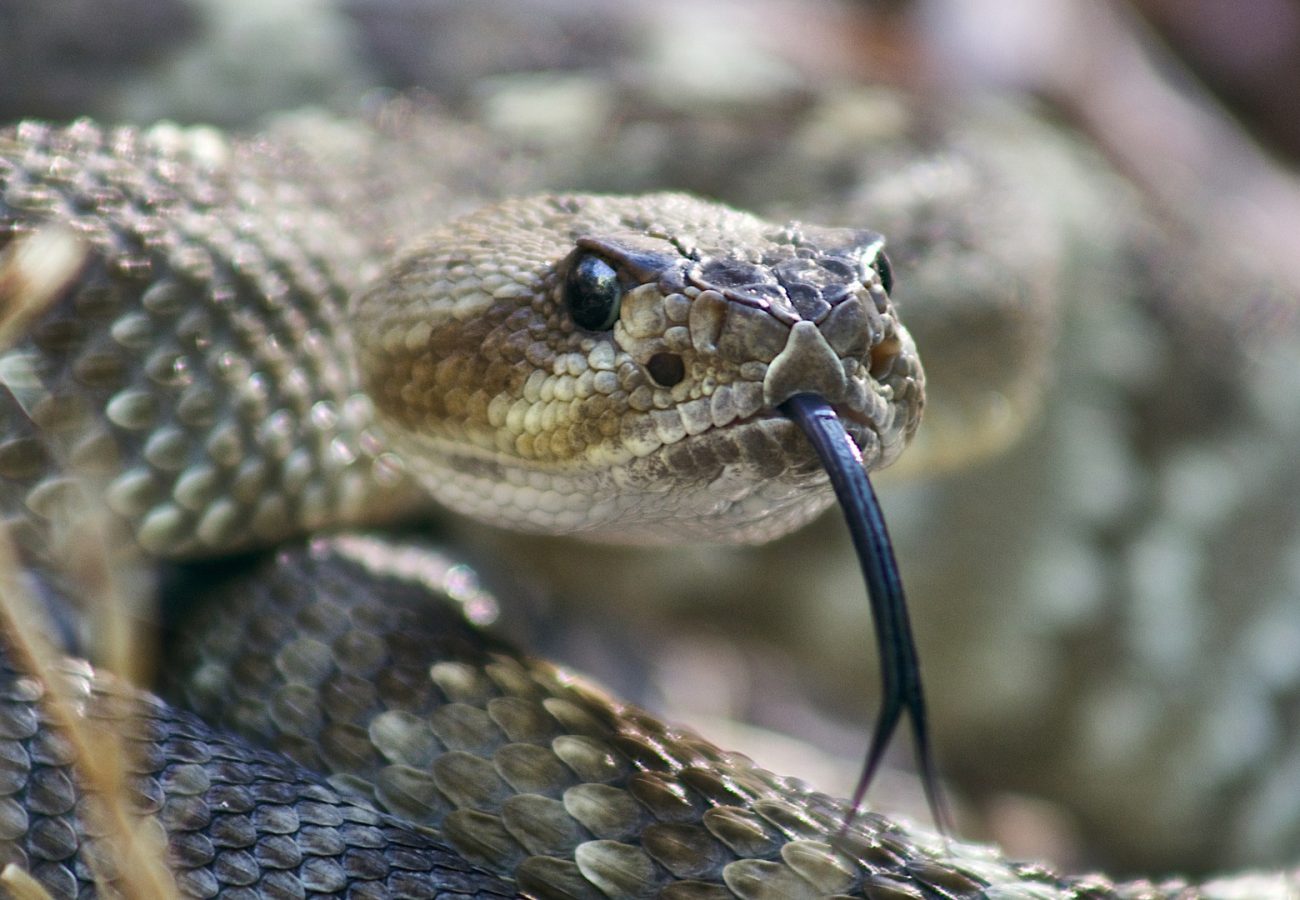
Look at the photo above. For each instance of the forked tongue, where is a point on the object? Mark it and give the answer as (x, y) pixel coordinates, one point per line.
(900, 671)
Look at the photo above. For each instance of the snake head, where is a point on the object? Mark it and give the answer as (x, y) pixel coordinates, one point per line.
(615, 365)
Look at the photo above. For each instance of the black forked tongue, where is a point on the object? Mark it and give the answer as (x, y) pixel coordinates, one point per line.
(899, 669)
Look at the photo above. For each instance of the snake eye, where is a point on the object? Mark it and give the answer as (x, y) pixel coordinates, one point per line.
(885, 271)
(592, 292)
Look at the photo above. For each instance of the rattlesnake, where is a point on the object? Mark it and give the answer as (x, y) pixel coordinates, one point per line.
(506, 725)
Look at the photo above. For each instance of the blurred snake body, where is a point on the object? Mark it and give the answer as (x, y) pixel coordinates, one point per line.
(240, 354)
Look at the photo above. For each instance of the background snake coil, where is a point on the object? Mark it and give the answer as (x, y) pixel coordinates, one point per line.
(227, 368)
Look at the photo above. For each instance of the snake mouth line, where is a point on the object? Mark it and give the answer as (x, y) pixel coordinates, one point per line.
(856, 416)
(855, 420)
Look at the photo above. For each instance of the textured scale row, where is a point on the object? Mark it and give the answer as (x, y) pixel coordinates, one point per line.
(237, 418)
(239, 822)
(526, 769)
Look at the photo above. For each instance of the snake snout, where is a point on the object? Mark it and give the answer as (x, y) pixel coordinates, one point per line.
(806, 365)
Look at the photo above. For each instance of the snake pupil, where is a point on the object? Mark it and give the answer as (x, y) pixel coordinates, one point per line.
(592, 293)
(885, 270)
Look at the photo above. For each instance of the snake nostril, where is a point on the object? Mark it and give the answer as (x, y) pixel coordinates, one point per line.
(883, 356)
(667, 369)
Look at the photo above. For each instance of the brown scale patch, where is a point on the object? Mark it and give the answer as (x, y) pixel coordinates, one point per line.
(444, 389)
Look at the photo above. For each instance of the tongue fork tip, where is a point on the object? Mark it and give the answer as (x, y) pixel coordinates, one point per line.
(900, 669)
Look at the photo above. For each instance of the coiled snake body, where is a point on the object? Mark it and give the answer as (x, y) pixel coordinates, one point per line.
(225, 367)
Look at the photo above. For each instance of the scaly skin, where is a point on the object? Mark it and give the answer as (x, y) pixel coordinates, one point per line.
(508, 412)
(234, 816)
(208, 365)
(169, 504)
(198, 372)
(524, 768)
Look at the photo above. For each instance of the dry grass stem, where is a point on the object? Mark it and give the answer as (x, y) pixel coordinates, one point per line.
(129, 859)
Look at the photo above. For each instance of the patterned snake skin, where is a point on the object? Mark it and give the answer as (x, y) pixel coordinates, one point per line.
(531, 780)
